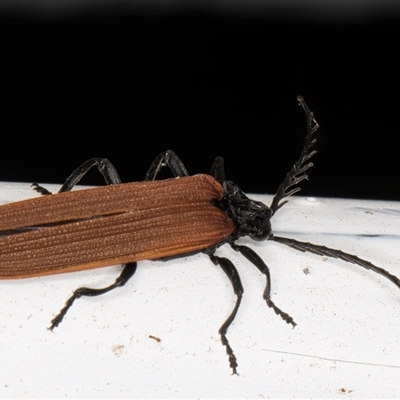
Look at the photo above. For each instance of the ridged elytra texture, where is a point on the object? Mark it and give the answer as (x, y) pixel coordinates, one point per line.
(111, 225)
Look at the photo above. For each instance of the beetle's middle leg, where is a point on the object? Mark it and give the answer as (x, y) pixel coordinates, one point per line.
(256, 260)
(166, 159)
(104, 166)
(123, 278)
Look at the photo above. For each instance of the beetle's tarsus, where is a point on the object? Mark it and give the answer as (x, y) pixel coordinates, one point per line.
(60, 316)
(285, 316)
(40, 189)
(232, 358)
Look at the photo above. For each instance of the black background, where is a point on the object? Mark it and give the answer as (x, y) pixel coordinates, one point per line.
(129, 81)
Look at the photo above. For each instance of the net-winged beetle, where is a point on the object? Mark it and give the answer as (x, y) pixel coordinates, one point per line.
(153, 219)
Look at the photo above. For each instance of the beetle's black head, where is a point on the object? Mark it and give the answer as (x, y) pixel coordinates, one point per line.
(252, 218)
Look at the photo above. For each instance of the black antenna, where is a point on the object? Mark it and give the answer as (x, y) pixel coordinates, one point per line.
(299, 170)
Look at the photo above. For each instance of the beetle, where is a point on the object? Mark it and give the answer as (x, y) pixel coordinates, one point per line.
(153, 219)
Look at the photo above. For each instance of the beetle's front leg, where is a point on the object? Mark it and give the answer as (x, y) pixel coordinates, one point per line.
(233, 275)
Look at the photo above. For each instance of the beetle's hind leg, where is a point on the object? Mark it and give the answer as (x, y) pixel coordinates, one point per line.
(166, 159)
(111, 177)
(234, 277)
(104, 166)
(256, 260)
(123, 278)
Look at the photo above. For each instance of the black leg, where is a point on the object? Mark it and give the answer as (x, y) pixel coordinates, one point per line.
(326, 251)
(256, 260)
(111, 177)
(299, 170)
(218, 170)
(166, 159)
(124, 277)
(233, 276)
(104, 166)
(40, 189)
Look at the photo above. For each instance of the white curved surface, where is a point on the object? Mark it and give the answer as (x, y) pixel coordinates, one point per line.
(346, 343)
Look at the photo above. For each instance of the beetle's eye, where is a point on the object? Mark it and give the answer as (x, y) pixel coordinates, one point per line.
(261, 236)
(263, 233)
